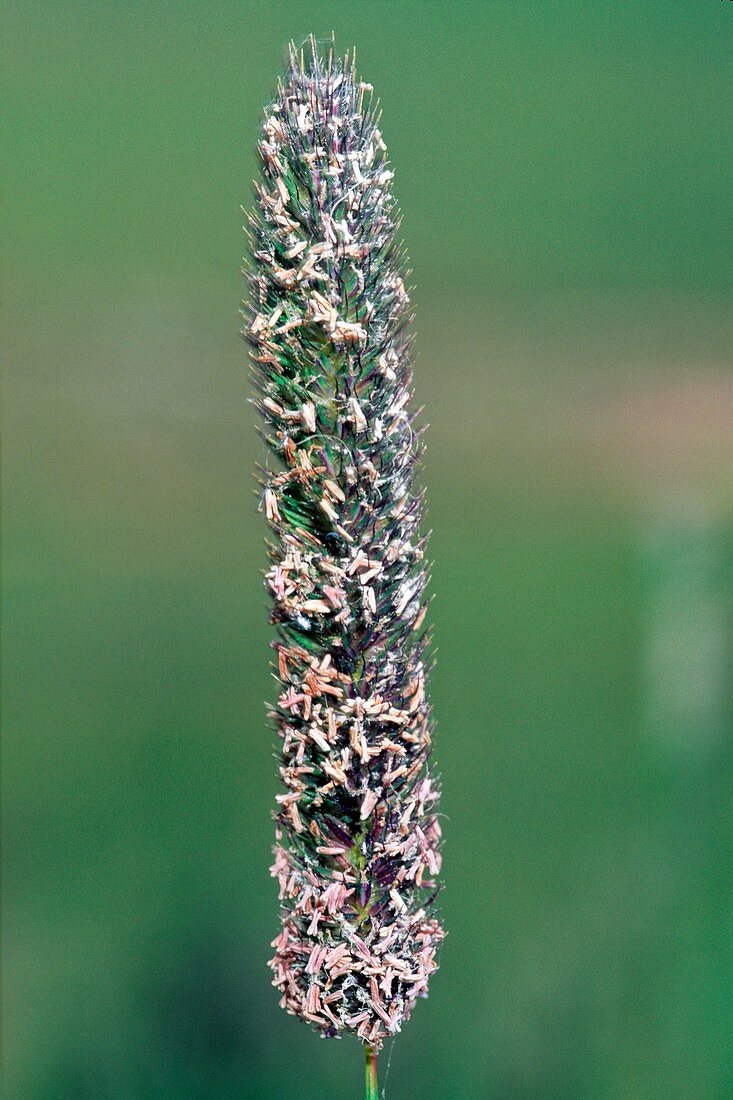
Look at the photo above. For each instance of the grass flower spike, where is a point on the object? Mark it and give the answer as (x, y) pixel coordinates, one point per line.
(357, 833)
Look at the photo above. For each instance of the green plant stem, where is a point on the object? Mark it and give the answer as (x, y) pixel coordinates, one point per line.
(372, 1088)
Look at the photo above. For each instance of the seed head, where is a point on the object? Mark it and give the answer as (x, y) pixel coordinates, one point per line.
(357, 833)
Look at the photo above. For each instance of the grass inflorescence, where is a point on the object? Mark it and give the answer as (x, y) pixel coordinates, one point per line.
(357, 850)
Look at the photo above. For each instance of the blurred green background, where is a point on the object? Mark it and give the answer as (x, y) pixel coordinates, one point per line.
(565, 175)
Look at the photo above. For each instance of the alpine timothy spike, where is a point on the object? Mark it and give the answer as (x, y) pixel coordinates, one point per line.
(357, 850)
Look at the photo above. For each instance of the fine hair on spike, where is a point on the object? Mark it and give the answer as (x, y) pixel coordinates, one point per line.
(357, 854)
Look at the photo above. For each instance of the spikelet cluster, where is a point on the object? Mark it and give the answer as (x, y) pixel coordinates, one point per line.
(357, 850)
